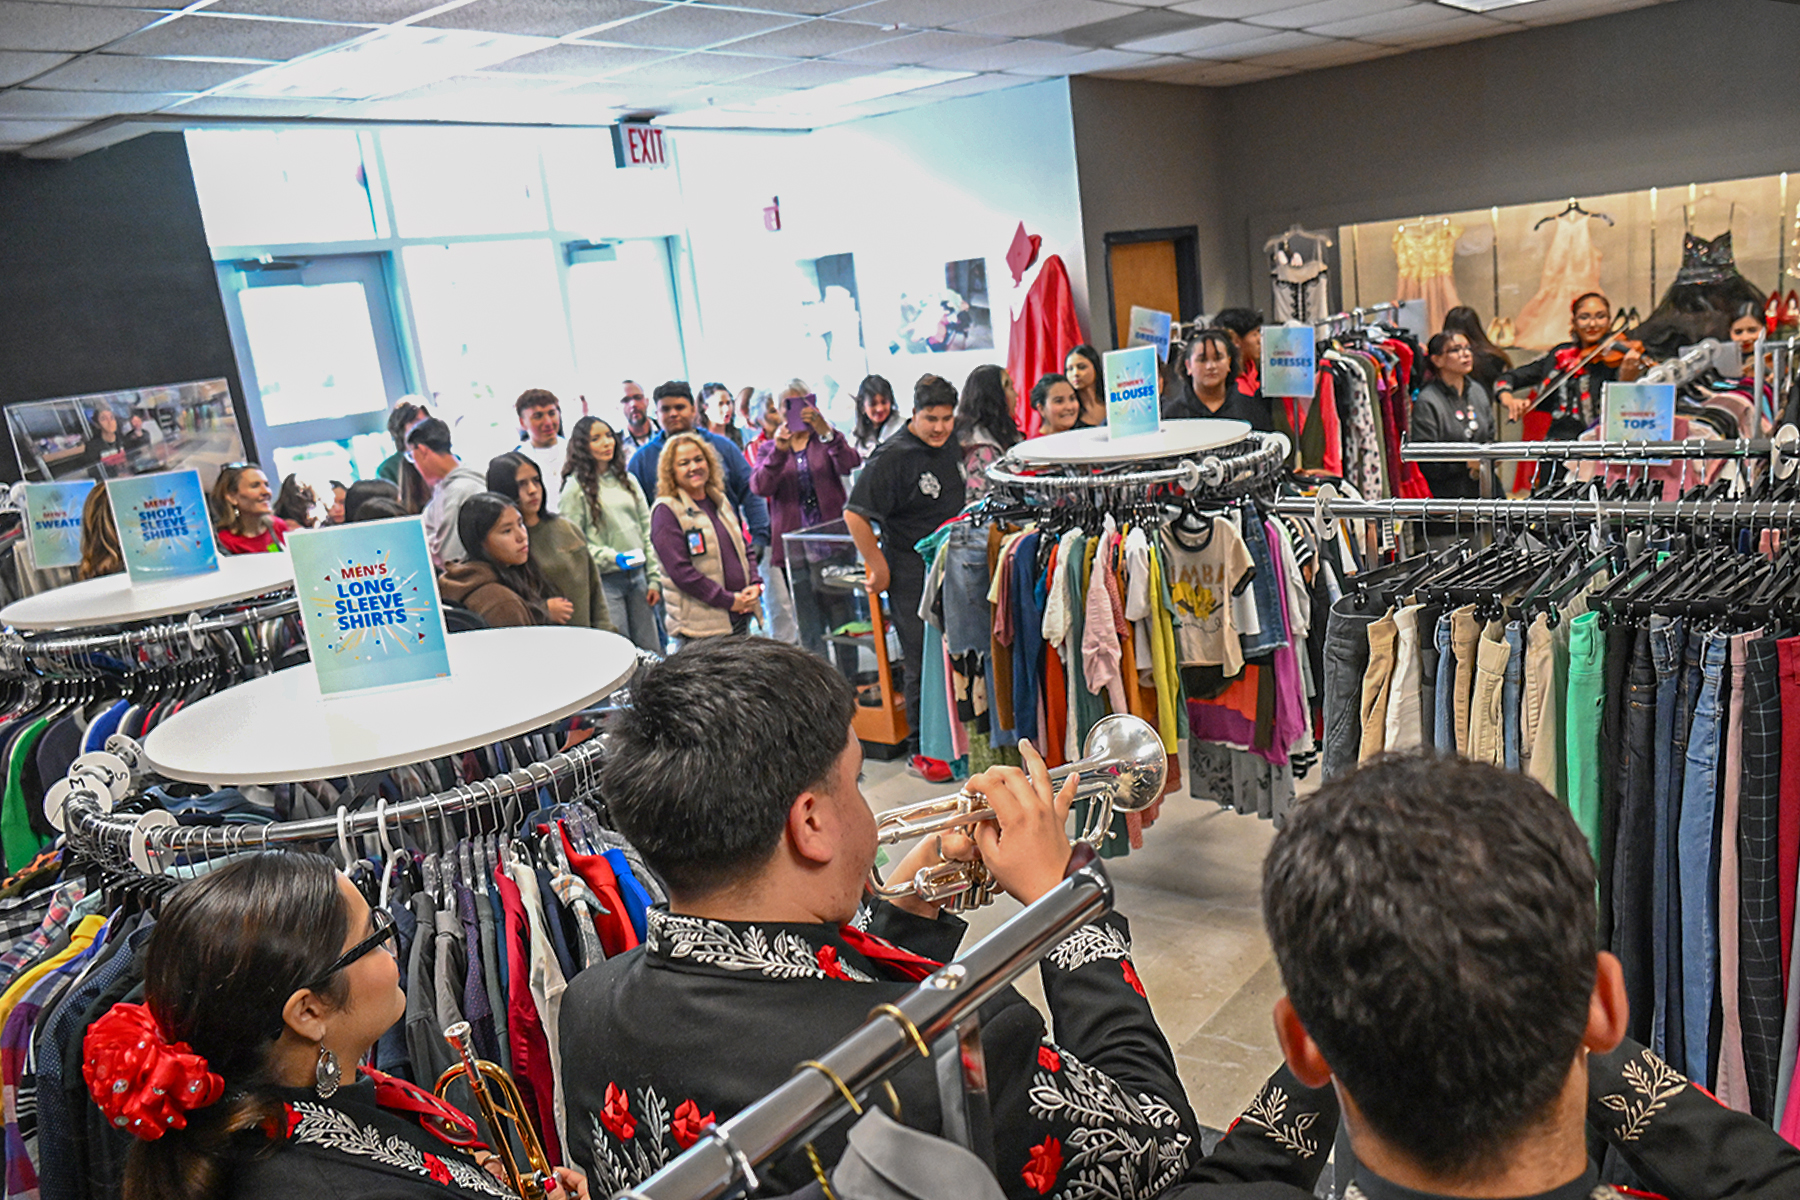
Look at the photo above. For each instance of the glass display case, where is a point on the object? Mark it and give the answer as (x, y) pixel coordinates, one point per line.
(836, 621)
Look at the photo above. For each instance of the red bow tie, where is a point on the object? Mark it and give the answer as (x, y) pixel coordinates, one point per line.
(903, 963)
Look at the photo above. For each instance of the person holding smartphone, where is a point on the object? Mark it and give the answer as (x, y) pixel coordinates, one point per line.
(802, 477)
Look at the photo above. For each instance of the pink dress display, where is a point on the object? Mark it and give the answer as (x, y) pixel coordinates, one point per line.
(1571, 269)
(1427, 257)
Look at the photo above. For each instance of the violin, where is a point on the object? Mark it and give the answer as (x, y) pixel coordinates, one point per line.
(1612, 351)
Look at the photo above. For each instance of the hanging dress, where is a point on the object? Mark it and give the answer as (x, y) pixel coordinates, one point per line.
(1571, 268)
(1427, 259)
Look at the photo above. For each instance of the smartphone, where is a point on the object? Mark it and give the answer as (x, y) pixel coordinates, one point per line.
(795, 406)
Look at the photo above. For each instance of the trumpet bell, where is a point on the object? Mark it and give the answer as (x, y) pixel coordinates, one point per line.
(1129, 762)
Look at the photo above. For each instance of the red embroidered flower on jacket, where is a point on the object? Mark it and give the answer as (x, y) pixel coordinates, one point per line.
(615, 1115)
(1046, 1160)
(688, 1125)
(828, 963)
(438, 1171)
(1131, 976)
(284, 1127)
(1049, 1059)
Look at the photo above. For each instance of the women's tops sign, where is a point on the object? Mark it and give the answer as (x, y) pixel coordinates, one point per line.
(164, 529)
(1289, 361)
(369, 601)
(1131, 391)
(53, 511)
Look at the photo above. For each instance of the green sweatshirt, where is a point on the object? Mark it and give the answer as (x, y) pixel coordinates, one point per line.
(622, 524)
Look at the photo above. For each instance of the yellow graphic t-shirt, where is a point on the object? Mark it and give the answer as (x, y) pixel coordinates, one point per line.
(1205, 571)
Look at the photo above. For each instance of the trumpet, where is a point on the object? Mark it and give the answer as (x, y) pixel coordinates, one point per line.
(484, 1078)
(1121, 769)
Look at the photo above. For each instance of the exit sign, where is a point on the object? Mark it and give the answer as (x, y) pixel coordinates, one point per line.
(640, 146)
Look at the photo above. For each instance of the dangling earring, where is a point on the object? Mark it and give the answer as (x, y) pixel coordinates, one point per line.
(326, 1074)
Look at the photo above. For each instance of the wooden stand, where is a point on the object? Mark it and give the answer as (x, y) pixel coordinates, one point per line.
(882, 731)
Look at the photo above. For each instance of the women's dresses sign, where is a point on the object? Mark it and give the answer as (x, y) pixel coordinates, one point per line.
(1131, 391)
(53, 510)
(1289, 360)
(369, 600)
(164, 528)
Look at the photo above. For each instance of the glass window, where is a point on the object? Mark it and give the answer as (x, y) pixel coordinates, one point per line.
(446, 182)
(490, 325)
(588, 194)
(624, 318)
(269, 187)
(314, 349)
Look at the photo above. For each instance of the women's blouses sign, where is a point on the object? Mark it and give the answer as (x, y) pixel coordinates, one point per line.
(164, 529)
(369, 601)
(53, 510)
(1289, 364)
(1131, 391)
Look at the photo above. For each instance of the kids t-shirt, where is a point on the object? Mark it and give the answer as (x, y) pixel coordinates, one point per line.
(1206, 569)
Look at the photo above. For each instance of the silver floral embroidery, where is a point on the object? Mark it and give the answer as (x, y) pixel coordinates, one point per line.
(1107, 1160)
(1090, 943)
(625, 1164)
(334, 1129)
(865, 916)
(1268, 1112)
(1655, 1082)
(1605, 1191)
(715, 944)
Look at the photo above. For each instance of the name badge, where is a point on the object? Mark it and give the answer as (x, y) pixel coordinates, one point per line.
(696, 542)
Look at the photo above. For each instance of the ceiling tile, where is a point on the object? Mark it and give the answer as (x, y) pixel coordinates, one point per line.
(1416, 17)
(1228, 74)
(1269, 43)
(66, 26)
(23, 133)
(687, 27)
(814, 39)
(691, 70)
(1050, 16)
(737, 94)
(1002, 57)
(1231, 10)
(539, 18)
(259, 106)
(202, 36)
(811, 74)
(1147, 68)
(1456, 29)
(126, 73)
(579, 60)
(1326, 11)
(27, 103)
(1554, 12)
(925, 14)
(346, 12)
(1205, 37)
(1087, 62)
(917, 48)
(809, 8)
(16, 65)
(974, 85)
(1330, 54)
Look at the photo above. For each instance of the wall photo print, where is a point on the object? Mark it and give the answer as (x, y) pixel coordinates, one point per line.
(112, 435)
(954, 316)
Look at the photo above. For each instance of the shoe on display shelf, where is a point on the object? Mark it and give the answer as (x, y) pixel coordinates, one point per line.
(931, 770)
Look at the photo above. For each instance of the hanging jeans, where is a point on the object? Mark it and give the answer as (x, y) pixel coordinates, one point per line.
(1759, 919)
(1443, 701)
(1687, 694)
(1581, 728)
(1633, 891)
(1512, 695)
(1694, 840)
(1346, 662)
(1665, 655)
(1731, 1090)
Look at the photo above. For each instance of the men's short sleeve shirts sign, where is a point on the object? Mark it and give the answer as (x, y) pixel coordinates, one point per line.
(910, 488)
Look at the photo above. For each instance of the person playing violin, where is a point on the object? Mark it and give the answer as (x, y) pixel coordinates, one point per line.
(1576, 372)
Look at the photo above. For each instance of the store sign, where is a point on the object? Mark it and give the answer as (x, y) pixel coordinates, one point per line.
(165, 530)
(1150, 328)
(1131, 391)
(640, 146)
(369, 601)
(1289, 361)
(53, 511)
(1638, 412)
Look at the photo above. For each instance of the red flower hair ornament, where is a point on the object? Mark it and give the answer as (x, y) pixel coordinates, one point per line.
(145, 1084)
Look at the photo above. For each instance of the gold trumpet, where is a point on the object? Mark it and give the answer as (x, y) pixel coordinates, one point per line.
(484, 1077)
(1121, 769)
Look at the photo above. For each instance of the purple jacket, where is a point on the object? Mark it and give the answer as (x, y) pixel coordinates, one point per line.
(777, 479)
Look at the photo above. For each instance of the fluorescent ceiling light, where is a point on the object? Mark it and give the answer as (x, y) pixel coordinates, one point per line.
(396, 59)
(1478, 6)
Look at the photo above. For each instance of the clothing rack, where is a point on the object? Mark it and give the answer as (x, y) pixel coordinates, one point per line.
(927, 1022)
(1628, 451)
(1690, 364)
(1512, 510)
(1262, 455)
(1354, 318)
(21, 651)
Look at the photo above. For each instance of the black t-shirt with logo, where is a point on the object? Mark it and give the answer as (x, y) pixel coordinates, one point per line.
(909, 488)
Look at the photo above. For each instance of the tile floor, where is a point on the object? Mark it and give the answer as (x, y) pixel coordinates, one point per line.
(1192, 898)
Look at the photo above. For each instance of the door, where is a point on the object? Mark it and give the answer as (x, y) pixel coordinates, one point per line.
(319, 354)
(1151, 268)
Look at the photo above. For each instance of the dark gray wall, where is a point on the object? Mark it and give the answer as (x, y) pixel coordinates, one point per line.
(106, 281)
(1691, 91)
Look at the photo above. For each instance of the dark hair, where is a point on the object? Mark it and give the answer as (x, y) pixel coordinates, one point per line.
(578, 460)
(296, 502)
(1219, 337)
(503, 479)
(404, 414)
(777, 713)
(100, 550)
(1439, 344)
(1241, 321)
(1434, 922)
(707, 389)
(1585, 297)
(378, 508)
(1093, 356)
(1748, 308)
(933, 391)
(983, 406)
(219, 499)
(869, 388)
(1466, 321)
(431, 433)
(1040, 391)
(363, 491)
(228, 950)
(474, 521)
(672, 387)
(532, 398)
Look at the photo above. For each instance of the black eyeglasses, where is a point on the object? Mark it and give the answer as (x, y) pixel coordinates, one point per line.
(384, 929)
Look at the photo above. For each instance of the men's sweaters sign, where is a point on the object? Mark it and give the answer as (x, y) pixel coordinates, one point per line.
(53, 510)
(164, 528)
(369, 600)
(1131, 391)
(1289, 364)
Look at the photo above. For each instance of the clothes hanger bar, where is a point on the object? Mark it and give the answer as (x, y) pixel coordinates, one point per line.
(1623, 451)
(124, 643)
(1211, 471)
(1443, 509)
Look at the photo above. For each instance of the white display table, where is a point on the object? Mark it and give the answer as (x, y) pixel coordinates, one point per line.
(279, 729)
(112, 600)
(1174, 439)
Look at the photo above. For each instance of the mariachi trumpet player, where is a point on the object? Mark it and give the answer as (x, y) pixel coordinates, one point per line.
(735, 773)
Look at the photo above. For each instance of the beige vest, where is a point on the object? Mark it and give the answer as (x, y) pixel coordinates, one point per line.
(687, 616)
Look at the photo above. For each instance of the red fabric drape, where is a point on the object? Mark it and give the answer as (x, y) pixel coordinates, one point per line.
(1042, 335)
